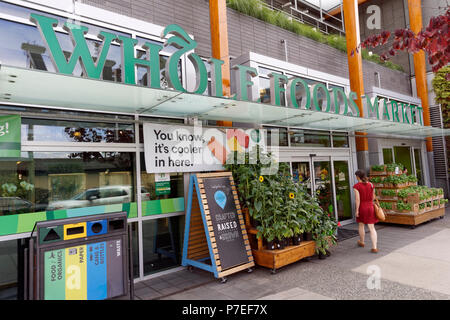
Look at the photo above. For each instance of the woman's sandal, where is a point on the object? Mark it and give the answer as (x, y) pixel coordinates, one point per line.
(361, 244)
(374, 250)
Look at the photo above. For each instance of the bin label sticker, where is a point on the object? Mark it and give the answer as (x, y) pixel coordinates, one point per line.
(55, 276)
(96, 271)
(85, 272)
(76, 282)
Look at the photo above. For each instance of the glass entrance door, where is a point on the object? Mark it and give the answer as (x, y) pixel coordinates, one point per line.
(403, 155)
(301, 173)
(322, 184)
(343, 190)
(328, 178)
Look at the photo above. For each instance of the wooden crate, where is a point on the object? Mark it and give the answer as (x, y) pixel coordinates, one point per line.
(414, 219)
(275, 259)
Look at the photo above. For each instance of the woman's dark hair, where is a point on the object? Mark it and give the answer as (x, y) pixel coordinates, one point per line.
(362, 175)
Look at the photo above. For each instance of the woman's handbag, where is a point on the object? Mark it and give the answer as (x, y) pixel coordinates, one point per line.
(379, 211)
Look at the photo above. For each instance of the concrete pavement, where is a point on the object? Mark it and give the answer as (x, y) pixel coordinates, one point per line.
(411, 264)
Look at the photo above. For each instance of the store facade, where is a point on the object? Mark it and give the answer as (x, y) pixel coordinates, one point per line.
(82, 140)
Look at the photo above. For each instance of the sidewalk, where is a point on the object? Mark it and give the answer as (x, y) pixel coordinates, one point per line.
(413, 264)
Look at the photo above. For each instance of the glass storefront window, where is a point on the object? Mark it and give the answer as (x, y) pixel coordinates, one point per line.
(71, 131)
(25, 48)
(282, 136)
(143, 71)
(162, 243)
(8, 270)
(155, 186)
(342, 185)
(45, 181)
(418, 163)
(264, 91)
(340, 141)
(302, 174)
(388, 156)
(135, 248)
(300, 138)
(266, 71)
(403, 155)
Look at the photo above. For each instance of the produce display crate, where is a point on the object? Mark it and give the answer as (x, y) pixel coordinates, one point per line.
(416, 215)
(414, 219)
(275, 259)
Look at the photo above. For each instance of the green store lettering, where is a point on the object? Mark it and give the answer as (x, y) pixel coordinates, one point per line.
(297, 91)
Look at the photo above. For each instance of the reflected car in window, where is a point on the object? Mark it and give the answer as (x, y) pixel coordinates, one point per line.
(14, 205)
(99, 196)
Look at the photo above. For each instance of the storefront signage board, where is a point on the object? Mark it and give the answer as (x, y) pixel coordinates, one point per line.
(215, 228)
(175, 148)
(10, 136)
(316, 98)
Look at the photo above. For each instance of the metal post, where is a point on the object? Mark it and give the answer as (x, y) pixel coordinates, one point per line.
(31, 270)
(320, 9)
(130, 261)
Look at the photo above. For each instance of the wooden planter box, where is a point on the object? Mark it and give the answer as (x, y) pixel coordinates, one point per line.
(401, 185)
(377, 173)
(414, 219)
(384, 198)
(275, 259)
(378, 185)
(413, 198)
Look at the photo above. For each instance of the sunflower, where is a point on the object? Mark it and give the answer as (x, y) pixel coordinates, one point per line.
(291, 195)
(261, 178)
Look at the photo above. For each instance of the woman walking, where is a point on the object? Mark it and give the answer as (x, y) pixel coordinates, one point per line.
(365, 211)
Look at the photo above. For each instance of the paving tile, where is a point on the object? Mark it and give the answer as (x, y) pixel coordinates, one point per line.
(146, 293)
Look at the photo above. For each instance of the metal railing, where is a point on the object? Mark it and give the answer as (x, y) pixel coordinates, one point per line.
(306, 18)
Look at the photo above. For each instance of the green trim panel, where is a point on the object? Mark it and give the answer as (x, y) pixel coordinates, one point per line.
(24, 222)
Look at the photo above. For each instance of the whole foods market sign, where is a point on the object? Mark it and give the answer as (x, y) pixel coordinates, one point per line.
(318, 97)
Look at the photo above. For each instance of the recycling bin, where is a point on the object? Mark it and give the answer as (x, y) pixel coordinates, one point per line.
(82, 258)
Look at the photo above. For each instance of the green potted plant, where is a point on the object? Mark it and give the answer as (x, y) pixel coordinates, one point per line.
(389, 193)
(403, 207)
(378, 169)
(421, 207)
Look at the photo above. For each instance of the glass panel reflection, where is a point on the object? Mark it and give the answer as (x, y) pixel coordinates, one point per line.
(300, 137)
(302, 174)
(343, 196)
(322, 185)
(71, 131)
(161, 243)
(44, 181)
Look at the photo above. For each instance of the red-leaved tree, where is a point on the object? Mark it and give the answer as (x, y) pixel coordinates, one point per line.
(434, 40)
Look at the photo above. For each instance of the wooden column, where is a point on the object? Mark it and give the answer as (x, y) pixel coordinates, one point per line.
(415, 21)
(219, 44)
(352, 36)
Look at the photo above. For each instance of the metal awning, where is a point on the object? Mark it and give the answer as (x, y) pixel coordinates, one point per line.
(45, 89)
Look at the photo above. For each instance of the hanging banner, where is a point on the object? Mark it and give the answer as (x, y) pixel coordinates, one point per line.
(10, 136)
(175, 148)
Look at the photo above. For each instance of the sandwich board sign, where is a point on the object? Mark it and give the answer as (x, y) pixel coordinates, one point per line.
(215, 237)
